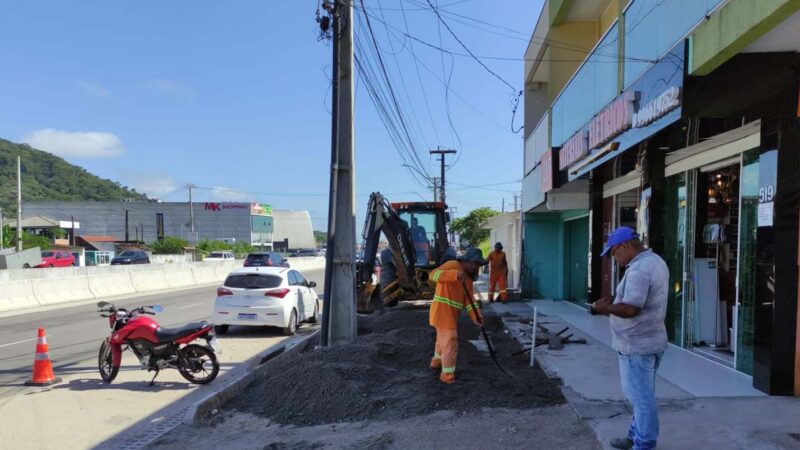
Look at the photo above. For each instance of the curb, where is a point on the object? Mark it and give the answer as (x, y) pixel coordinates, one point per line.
(256, 368)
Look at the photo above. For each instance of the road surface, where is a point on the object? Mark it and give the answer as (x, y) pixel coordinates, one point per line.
(82, 412)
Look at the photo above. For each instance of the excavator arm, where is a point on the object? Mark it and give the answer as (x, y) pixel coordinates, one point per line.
(381, 217)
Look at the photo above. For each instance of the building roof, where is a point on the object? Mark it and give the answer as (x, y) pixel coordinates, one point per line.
(97, 238)
(35, 222)
(295, 226)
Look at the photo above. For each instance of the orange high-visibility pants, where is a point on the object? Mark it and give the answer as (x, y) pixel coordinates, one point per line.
(446, 348)
(496, 279)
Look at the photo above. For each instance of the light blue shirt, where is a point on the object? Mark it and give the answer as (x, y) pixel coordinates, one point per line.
(645, 286)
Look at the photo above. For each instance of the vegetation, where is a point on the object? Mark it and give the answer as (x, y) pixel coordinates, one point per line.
(470, 226)
(209, 245)
(170, 245)
(48, 177)
(321, 237)
(8, 236)
(28, 240)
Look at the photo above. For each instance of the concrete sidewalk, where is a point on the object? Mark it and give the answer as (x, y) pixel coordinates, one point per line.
(702, 404)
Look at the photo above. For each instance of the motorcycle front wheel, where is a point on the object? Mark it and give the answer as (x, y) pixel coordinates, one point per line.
(202, 364)
(105, 363)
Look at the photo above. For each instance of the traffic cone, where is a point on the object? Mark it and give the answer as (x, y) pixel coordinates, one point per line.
(42, 368)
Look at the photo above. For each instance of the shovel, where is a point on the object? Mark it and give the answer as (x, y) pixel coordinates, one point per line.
(492, 353)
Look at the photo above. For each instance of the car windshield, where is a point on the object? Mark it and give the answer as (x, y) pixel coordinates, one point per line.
(127, 254)
(216, 255)
(257, 256)
(47, 254)
(253, 281)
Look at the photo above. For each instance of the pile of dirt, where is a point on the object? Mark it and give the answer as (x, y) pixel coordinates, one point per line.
(384, 375)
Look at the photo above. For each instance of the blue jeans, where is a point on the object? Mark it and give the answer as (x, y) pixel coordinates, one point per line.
(638, 376)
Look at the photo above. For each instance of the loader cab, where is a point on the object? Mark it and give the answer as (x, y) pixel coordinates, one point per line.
(427, 224)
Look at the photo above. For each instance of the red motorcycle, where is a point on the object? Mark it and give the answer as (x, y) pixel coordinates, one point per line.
(156, 347)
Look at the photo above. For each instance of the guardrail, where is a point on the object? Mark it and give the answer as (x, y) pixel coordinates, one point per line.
(32, 288)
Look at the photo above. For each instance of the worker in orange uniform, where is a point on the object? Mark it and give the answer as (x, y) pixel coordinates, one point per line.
(448, 301)
(498, 271)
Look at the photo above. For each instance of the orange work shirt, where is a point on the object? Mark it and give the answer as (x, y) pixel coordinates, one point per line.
(449, 298)
(498, 262)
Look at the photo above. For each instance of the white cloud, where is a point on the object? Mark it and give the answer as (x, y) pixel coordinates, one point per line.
(155, 185)
(224, 194)
(169, 87)
(94, 90)
(76, 144)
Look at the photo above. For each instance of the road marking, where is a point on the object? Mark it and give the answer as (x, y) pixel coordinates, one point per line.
(20, 342)
(191, 305)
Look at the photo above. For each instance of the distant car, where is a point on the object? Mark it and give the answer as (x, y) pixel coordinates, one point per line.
(306, 252)
(219, 256)
(131, 257)
(267, 259)
(57, 258)
(266, 296)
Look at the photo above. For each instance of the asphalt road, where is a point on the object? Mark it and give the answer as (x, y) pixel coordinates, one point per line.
(74, 334)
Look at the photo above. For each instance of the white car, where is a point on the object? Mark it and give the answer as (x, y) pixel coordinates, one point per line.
(219, 256)
(266, 296)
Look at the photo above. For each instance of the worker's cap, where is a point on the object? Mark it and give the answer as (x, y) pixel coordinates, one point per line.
(498, 245)
(473, 255)
(619, 236)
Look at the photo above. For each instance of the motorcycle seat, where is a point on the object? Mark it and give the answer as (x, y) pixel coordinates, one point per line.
(170, 334)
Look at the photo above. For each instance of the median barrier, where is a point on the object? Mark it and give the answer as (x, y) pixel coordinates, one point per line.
(179, 277)
(110, 285)
(204, 274)
(17, 294)
(50, 291)
(149, 281)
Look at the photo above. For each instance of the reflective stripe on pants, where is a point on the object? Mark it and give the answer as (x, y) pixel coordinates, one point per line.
(447, 346)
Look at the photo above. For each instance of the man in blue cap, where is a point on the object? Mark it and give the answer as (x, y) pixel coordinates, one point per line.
(639, 335)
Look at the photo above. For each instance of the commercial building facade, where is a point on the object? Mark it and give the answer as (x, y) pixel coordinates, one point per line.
(149, 221)
(679, 119)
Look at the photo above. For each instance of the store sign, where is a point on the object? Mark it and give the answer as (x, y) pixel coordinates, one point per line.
(657, 108)
(546, 168)
(260, 209)
(767, 180)
(218, 207)
(612, 120)
(574, 149)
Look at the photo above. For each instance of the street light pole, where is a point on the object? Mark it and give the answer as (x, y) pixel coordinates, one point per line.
(19, 204)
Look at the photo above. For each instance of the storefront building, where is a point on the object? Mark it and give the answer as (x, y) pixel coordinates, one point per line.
(696, 144)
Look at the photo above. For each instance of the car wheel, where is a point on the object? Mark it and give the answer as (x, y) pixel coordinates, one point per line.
(221, 329)
(315, 317)
(291, 329)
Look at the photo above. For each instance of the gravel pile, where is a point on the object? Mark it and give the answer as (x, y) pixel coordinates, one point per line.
(384, 375)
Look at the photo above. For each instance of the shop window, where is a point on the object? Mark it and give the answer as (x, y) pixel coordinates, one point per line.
(675, 206)
(748, 218)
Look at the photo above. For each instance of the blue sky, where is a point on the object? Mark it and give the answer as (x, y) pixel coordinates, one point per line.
(234, 96)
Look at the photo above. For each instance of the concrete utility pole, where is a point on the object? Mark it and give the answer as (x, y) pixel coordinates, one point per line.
(19, 204)
(515, 201)
(339, 308)
(442, 152)
(435, 189)
(191, 186)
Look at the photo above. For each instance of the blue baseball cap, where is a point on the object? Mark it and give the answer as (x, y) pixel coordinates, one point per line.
(618, 236)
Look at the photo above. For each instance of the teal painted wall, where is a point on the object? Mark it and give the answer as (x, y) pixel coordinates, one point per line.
(543, 256)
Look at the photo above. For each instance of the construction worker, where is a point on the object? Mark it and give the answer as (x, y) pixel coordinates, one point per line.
(419, 236)
(448, 301)
(498, 272)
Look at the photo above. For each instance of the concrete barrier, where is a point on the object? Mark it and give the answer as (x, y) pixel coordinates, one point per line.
(111, 285)
(17, 295)
(30, 288)
(61, 290)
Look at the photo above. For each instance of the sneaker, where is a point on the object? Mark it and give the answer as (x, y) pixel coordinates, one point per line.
(436, 364)
(622, 444)
(447, 378)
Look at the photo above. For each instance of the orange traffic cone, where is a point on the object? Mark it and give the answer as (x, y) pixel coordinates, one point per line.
(42, 368)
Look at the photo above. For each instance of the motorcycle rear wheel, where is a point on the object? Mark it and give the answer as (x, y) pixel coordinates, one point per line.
(203, 365)
(105, 363)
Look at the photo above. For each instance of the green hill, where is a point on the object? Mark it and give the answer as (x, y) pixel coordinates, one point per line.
(48, 177)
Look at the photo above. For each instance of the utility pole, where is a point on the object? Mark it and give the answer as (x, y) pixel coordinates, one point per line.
(19, 204)
(191, 186)
(127, 227)
(339, 308)
(442, 153)
(72, 240)
(503, 206)
(435, 189)
(515, 201)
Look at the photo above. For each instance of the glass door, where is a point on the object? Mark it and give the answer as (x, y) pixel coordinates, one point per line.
(674, 239)
(746, 292)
